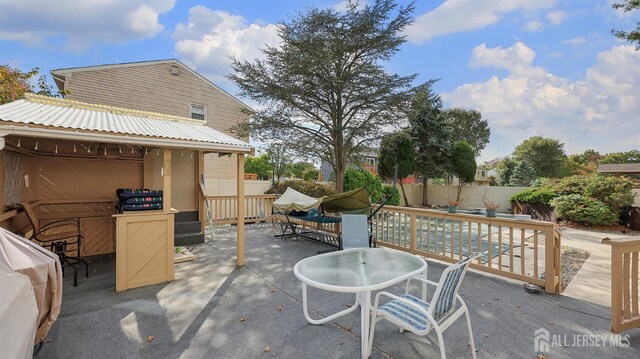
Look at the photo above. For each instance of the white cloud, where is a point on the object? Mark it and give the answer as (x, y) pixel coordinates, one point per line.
(556, 17)
(576, 41)
(533, 25)
(467, 15)
(81, 23)
(598, 111)
(516, 57)
(210, 37)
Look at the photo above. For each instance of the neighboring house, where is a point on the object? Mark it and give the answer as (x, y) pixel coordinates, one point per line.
(367, 161)
(619, 168)
(163, 86)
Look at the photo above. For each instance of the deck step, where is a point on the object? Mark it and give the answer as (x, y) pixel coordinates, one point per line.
(186, 216)
(187, 227)
(187, 239)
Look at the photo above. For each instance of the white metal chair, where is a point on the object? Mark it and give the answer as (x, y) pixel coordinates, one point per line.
(419, 316)
(355, 231)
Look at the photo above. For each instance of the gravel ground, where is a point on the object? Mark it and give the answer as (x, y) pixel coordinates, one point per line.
(571, 259)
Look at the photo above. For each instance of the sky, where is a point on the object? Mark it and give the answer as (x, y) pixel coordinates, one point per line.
(545, 67)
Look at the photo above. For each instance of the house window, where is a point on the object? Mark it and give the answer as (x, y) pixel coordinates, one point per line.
(198, 112)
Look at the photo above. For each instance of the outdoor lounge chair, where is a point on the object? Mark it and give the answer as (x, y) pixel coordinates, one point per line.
(59, 237)
(419, 316)
(355, 231)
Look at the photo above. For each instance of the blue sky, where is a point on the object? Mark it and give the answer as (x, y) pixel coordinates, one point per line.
(543, 67)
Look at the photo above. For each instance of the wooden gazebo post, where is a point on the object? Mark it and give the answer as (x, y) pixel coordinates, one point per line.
(240, 209)
(166, 205)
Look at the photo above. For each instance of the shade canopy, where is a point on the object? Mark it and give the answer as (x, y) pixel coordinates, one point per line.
(47, 117)
(292, 200)
(356, 200)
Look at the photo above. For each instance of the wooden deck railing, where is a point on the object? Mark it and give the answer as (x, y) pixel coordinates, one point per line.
(525, 250)
(624, 283)
(257, 208)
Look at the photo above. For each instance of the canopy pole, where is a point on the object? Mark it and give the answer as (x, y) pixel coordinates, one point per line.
(240, 209)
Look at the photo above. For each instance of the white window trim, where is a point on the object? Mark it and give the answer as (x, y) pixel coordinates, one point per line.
(191, 105)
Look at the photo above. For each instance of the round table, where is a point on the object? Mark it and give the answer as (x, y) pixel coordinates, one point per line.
(359, 271)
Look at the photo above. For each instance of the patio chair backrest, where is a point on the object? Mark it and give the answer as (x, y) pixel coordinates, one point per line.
(444, 298)
(355, 231)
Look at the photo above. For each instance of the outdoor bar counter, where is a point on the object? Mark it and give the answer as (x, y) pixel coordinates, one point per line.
(144, 248)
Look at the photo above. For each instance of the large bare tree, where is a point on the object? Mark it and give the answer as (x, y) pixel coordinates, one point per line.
(323, 89)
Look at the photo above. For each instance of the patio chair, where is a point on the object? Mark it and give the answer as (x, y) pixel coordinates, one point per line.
(355, 231)
(419, 316)
(58, 237)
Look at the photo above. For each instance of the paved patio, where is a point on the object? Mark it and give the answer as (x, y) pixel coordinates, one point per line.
(199, 314)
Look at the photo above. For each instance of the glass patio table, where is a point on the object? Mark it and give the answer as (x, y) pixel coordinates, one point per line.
(359, 271)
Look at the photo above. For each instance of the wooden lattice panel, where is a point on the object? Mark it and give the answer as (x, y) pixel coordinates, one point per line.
(98, 235)
(144, 249)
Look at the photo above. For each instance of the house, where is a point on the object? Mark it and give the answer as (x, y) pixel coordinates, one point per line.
(160, 86)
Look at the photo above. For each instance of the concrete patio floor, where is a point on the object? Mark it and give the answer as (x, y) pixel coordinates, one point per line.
(199, 314)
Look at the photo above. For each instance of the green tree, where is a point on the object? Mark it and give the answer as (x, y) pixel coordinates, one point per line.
(298, 169)
(324, 89)
(632, 156)
(632, 36)
(260, 165)
(468, 126)
(582, 163)
(431, 135)
(356, 178)
(522, 176)
(279, 158)
(311, 175)
(397, 149)
(505, 168)
(545, 155)
(15, 83)
(463, 164)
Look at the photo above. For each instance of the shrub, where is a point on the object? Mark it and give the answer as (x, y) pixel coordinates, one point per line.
(356, 178)
(583, 209)
(538, 195)
(309, 188)
(386, 192)
(615, 192)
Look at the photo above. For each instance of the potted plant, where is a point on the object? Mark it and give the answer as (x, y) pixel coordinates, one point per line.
(453, 205)
(490, 206)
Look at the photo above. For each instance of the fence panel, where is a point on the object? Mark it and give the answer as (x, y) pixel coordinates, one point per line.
(453, 236)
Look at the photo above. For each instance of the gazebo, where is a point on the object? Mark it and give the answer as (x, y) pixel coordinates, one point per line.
(67, 158)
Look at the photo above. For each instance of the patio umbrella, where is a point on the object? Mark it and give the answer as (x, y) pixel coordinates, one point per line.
(356, 200)
(43, 269)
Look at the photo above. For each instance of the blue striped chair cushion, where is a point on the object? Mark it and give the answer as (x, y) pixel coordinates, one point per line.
(444, 302)
(406, 314)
